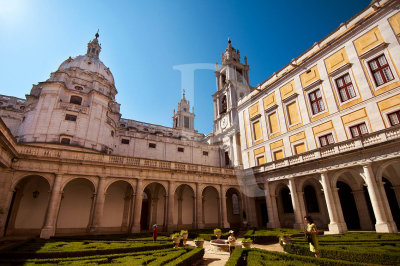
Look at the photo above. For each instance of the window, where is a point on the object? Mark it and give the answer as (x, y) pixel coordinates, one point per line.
(278, 155)
(394, 118)
(180, 149)
(124, 141)
(78, 88)
(76, 100)
(358, 130)
(70, 117)
(152, 145)
(223, 105)
(345, 87)
(186, 121)
(257, 134)
(205, 153)
(299, 148)
(65, 141)
(380, 70)
(326, 140)
(316, 102)
(112, 133)
(227, 159)
(260, 160)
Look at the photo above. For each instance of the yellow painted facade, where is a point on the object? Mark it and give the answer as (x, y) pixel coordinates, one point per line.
(269, 101)
(276, 144)
(368, 41)
(278, 155)
(354, 116)
(389, 103)
(257, 132)
(336, 60)
(293, 113)
(260, 160)
(323, 127)
(287, 90)
(297, 137)
(273, 123)
(310, 76)
(259, 154)
(395, 23)
(254, 110)
(300, 148)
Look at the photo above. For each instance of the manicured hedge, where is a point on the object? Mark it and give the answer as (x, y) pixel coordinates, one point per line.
(357, 247)
(256, 257)
(181, 256)
(268, 236)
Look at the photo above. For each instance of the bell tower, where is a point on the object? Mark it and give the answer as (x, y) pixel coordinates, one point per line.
(232, 85)
(183, 118)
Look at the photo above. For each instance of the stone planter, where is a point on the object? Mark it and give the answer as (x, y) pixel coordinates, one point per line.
(218, 234)
(247, 244)
(184, 238)
(177, 240)
(199, 243)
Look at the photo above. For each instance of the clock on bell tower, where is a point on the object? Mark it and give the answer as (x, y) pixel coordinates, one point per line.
(232, 84)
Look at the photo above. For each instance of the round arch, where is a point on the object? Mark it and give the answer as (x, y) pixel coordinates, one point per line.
(234, 207)
(28, 205)
(184, 211)
(154, 206)
(284, 203)
(117, 206)
(76, 206)
(211, 207)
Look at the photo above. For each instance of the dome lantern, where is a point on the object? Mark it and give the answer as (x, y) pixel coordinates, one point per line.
(94, 47)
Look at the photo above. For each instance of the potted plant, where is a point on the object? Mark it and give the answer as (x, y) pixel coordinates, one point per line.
(184, 235)
(285, 239)
(199, 242)
(247, 242)
(217, 233)
(176, 238)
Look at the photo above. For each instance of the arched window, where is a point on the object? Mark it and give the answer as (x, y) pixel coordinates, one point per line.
(235, 204)
(224, 106)
(78, 88)
(76, 100)
(311, 199)
(286, 200)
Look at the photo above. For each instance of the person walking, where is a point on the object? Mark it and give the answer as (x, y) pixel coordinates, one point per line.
(155, 232)
(232, 241)
(311, 235)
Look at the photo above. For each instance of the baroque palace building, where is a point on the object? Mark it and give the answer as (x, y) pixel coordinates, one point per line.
(320, 137)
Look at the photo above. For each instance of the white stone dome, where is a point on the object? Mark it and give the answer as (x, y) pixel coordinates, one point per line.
(90, 64)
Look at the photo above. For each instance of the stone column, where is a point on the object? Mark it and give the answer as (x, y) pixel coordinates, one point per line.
(298, 215)
(49, 227)
(383, 224)
(99, 205)
(225, 223)
(272, 215)
(138, 206)
(363, 213)
(171, 202)
(199, 207)
(334, 225)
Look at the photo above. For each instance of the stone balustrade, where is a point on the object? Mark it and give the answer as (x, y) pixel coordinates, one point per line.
(371, 139)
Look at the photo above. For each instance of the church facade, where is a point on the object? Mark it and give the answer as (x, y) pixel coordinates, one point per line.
(320, 137)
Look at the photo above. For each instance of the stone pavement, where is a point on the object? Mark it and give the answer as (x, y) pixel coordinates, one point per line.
(219, 258)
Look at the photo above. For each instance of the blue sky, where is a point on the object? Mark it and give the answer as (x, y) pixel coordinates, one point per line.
(143, 40)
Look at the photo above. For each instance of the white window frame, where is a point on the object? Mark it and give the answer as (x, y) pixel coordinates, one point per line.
(385, 115)
(342, 71)
(323, 134)
(357, 122)
(374, 53)
(311, 90)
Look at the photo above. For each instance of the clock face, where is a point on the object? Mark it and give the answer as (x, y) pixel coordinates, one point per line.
(224, 122)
